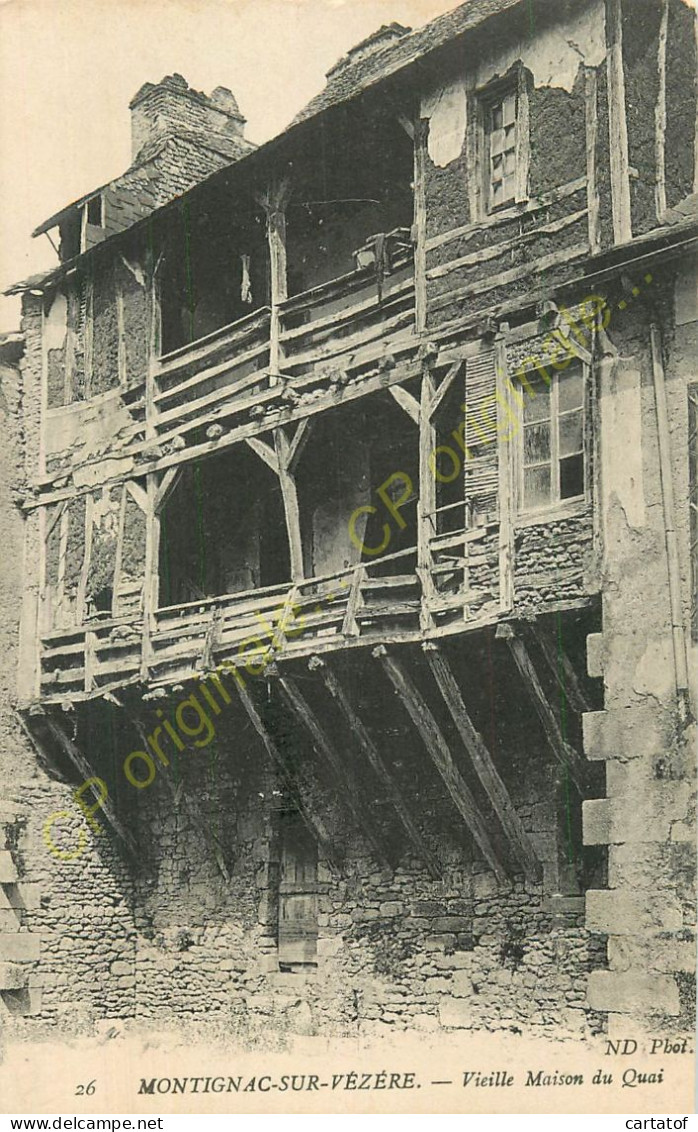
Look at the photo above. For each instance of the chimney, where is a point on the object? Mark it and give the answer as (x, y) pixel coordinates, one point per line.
(377, 41)
(171, 108)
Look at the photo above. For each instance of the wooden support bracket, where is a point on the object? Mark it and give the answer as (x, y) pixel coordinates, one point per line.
(567, 757)
(358, 730)
(562, 668)
(345, 778)
(483, 764)
(438, 751)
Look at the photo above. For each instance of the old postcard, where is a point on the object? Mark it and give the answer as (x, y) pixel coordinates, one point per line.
(349, 522)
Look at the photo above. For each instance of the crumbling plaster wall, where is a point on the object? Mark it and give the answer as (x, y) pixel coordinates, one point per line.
(648, 911)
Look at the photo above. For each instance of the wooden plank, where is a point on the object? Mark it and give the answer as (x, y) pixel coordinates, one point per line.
(511, 275)
(467, 231)
(617, 124)
(406, 401)
(357, 729)
(300, 438)
(567, 757)
(350, 627)
(438, 750)
(83, 767)
(265, 453)
(483, 764)
(420, 224)
(660, 115)
(347, 785)
(137, 493)
(426, 503)
(445, 384)
(506, 482)
(592, 133)
(291, 509)
(561, 667)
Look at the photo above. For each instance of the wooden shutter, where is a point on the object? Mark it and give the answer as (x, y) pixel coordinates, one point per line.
(481, 471)
(297, 893)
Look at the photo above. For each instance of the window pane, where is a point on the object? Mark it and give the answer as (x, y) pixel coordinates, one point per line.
(497, 163)
(571, 389)
(536, 395)
(572, 477)
(536, 487)
(571, 433)
(509, 187)
(536, 443)
(497, 193)
(496, 142)
(510, 161)
(497, 119)
(509, 110)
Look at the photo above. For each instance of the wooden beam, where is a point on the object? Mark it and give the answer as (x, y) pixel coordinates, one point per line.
(660, 115)
(350, 627)
(561, 667)
(407, 124)
(137, 493)
(444, 386)
(426, 503)
(617, 124)
(265, 452)
(313, 822)
(358, 730)
(274, 202)
(483, 765)
(85, 770)
(298, 442)
(406, 401)
(166, 485)
(348, 787)
(420, 224)
(151, 571)
(568, 758)
(290, 497)
(506, 440)
(440, 755)
(592, 134)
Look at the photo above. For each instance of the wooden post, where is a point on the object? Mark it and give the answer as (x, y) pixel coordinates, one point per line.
(562, 668)
(347, 785)
(151, 579)
(290, 497)
(660, 115)
(152, 344)
(426, 504)
(357, 728)
(313, 822)
(506, 439)
(420, 224)
(567, 757)
(440, 755)
(617, 124)
(274, 204)
(592, 133)
(482, 762)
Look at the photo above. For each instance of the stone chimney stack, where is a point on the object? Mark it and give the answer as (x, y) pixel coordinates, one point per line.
(171, 108)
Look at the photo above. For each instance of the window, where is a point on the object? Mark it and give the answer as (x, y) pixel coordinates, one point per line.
(298, 887)
(500, 145)
(553, 465)
(500, 129)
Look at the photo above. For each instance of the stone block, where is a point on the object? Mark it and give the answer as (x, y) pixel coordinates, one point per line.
(633, 992)
(461, 984)
(456, 1013)
(427, 1023)
(121, 969)
(19, 896)
(484, 884)
(437, 986)
(391, 908)
(19, 947)
(622, 733)
(596, 821)
(13, 976)
(440, 942)
(622, 912)
(328, 948)
(8, 869)
(9, 920)
(660, 954)
(595, 655)
(450, 924)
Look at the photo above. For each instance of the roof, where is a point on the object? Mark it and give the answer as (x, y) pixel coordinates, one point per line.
(176, 164)
(344, 83)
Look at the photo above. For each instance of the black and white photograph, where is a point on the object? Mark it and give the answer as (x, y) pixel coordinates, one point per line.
(349, 557)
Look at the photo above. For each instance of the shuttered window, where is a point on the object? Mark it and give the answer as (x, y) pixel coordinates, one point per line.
(502, 146)
(297, 893)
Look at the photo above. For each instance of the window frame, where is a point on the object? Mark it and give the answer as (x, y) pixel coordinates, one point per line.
(556, 505)
(484, 100)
